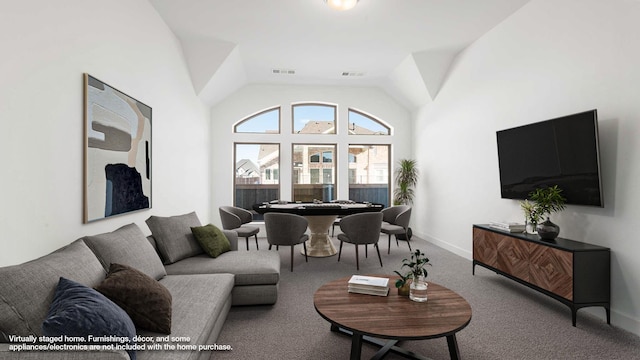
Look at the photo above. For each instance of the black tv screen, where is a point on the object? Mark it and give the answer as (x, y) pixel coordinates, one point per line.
(562, 151)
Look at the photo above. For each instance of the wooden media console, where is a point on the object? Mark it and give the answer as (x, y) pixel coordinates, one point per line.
(574, 273)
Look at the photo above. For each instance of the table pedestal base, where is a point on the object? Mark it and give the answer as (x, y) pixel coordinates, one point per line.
(387, 346)
(319, 243)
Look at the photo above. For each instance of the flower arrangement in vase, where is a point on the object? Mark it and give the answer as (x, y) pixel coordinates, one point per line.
(417, 274)
(531, 216)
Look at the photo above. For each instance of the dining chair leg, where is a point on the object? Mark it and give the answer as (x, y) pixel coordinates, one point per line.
(389, 248)
(357, 261)
(408, 243)
(304, 245)
(270, 246)
(256, 235)
(340, 252)
(378, 250)
(366, 250)
(291, 258)
(247, 240)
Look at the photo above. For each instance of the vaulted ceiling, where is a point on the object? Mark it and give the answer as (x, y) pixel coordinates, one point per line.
(405, 47)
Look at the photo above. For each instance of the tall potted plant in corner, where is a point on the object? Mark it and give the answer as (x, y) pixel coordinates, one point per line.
(547, 201)
(406, 180)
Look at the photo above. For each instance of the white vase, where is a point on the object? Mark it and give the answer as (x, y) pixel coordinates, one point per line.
(418, 289)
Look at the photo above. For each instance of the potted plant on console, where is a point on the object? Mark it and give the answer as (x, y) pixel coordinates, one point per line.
(547, 201)
(415, 277)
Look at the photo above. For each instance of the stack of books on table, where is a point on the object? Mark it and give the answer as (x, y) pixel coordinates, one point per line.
(508, 226)
(369, 285)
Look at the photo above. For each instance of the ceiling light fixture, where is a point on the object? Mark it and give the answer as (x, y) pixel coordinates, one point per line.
(341, 4)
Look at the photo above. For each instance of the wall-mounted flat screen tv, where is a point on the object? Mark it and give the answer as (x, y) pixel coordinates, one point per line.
(561, 151)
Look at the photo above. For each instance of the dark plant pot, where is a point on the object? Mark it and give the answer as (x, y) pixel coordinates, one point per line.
(548, 230)
(404, 290)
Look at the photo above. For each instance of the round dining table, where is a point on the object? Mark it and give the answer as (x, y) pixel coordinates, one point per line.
(320, 217)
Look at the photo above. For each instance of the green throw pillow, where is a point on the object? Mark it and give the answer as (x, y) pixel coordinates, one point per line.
(211, 239)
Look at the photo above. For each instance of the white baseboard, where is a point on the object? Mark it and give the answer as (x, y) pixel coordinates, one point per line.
(445, 245)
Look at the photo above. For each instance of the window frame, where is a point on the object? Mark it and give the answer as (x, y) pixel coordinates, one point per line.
(369, 117)
(335, 117)
(255, 115)
(236, 159)
(333, 168)
(357, 163)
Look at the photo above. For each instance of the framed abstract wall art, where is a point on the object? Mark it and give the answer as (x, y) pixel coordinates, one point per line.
(117, 152)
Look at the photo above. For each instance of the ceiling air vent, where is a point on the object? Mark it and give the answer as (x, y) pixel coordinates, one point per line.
(352, 73)
(283, 71)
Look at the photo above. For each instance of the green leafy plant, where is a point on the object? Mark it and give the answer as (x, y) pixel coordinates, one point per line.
(547, 201)
(416, 265)
(530, 211)
(406, 179)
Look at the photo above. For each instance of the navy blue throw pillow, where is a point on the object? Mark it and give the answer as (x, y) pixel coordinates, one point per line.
(78, 310)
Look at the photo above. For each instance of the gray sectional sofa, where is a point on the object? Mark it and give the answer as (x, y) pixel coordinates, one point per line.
(202, 288)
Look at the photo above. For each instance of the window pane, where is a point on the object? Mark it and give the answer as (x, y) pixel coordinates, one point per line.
(256, 179)
(314, 119)
(267, 121)
(369, 173)
(360, 124)
(327, 157)
(313, 180)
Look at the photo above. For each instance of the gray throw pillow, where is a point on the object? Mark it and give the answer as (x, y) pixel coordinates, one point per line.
(128, 246)
(211, 239)
(174, 237)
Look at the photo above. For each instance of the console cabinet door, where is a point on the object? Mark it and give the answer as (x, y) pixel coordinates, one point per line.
(513, 257)
(552, 270)
(485, 245)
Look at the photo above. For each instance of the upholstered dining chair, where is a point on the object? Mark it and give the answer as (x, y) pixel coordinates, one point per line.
(287, 230)
(361, 229)
(235, 218)
(336, 222)
(395, 221)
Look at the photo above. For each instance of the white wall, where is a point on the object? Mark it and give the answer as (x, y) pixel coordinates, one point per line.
(46, 48)
(253, 98)
(551, 58)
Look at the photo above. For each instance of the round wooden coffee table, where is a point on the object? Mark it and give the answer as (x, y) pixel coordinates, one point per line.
(393, 317)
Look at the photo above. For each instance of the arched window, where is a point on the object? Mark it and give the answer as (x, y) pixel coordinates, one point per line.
(264, 122)
(362, 124)
(314, 119)
(314, 160)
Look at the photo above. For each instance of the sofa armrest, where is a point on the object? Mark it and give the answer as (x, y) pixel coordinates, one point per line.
(233, 238)
(6, 354)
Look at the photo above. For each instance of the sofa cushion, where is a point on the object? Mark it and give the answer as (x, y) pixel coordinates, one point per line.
(211, 239)
(173, 236)
(264, 269)
(128, 246)
(200, 307)
(26, 290)
(77, 310)
(147, 302)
